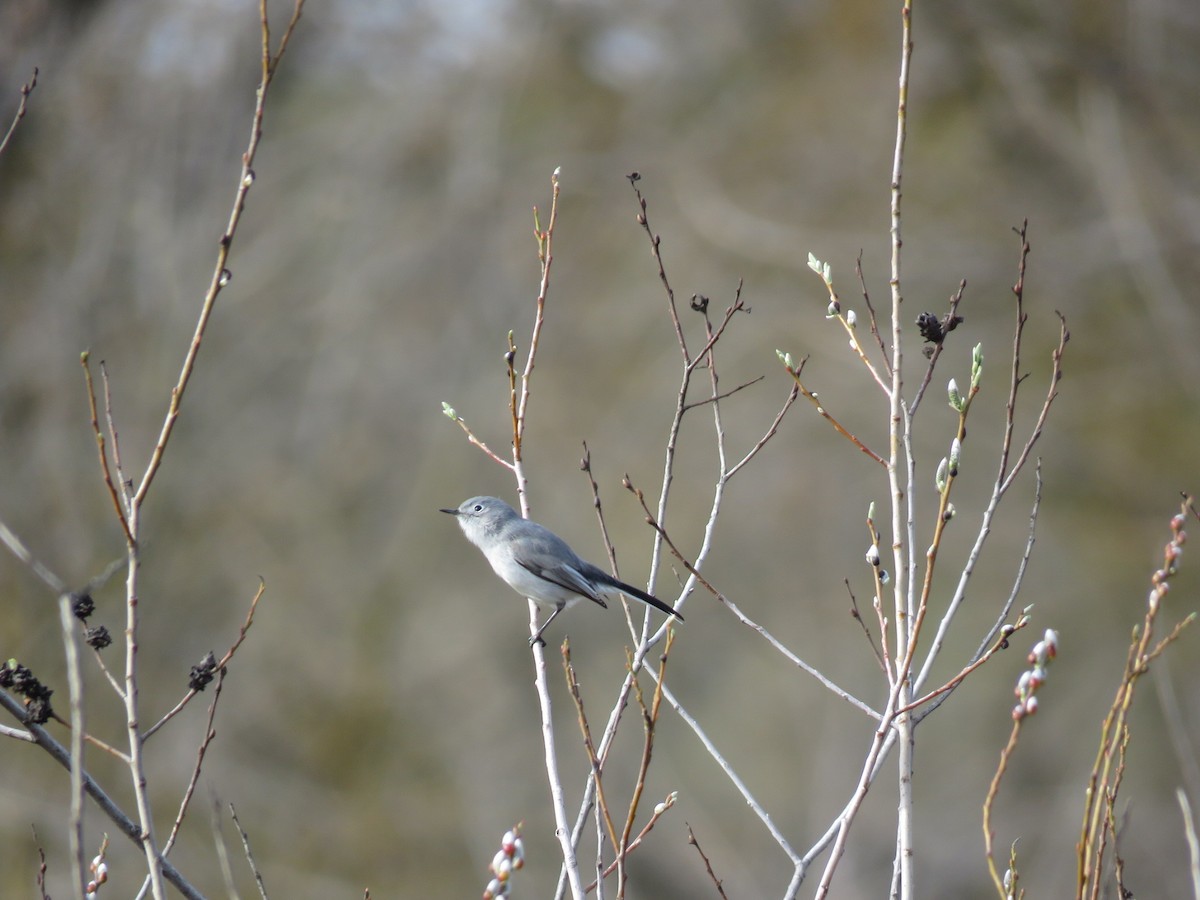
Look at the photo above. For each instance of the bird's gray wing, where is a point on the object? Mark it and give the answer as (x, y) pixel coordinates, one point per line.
(549, 557)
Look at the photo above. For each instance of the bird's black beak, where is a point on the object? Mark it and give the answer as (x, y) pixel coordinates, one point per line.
(453, 512)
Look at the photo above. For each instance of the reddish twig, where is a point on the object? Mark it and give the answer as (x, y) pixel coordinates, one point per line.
(102, 449)
(811, 396)
(866, 295)
(594, 759)
(220, 665)
(707, 865)
(26, 90)
(649, 721)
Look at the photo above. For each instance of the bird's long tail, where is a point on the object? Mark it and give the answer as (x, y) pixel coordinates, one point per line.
(645, 598)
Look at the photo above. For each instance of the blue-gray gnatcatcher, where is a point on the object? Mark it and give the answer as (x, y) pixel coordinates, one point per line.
(536, 563)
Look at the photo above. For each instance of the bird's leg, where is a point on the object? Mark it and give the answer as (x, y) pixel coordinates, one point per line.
(537, 638)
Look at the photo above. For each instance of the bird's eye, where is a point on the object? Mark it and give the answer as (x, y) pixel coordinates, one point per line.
(478, 507)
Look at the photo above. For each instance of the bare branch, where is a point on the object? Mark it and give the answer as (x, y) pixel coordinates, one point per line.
(258, 879)
(26, 90)
(707, 865)
(220, 665)
(124, 824)
(811, 396)
(221, 275)
(744, 619)
(118, 506)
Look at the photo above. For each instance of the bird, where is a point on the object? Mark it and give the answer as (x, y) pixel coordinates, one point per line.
(538, 564)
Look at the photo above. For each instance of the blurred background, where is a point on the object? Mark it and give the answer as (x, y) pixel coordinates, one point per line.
(379, 727)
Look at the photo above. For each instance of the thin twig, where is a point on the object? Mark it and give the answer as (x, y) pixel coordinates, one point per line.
(989, 834)
(767, 435)
(866, 295)
(1016, 377)
(209, 735)
(221, 275)
(18, 549)
(545, 241)
(1051, 393)
(222, 850)
(851, 330)
(589, 790)
(1023, 565)
(103, 746)
(593, 758)
(717, 397)
(585, 465)
(258, 879)
(1018, 580)
(656, 251)
(744, 619)
(462, 423)
(26, 90)
(220, 666)
(1000, 644)
(124, 823)
(126, 486)
(707, 865)
(649, 722)
(659, 811)
(41, 875)
(736, 780)
(857, 616)
(681, 404)
(811, 396)
(118, 506)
